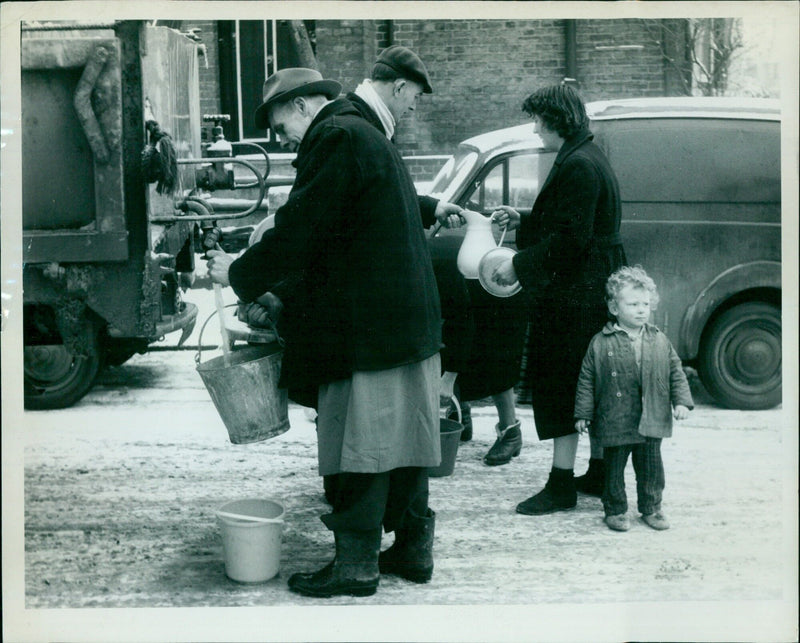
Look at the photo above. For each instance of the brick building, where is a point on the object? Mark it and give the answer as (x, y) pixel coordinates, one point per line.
(481, 70)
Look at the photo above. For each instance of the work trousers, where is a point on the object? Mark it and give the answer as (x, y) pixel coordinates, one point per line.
(649, 469)
(365, 501)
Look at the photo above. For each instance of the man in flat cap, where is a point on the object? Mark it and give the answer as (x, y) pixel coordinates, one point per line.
(361, 323)
(398, 79)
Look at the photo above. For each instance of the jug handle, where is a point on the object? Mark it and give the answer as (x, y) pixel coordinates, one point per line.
(502, 237)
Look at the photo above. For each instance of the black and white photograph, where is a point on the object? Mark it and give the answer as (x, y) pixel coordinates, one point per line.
(561, 237)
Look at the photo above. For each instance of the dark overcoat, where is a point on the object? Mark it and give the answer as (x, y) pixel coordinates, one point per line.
(347, 257)
(427, 204)
(569, 245)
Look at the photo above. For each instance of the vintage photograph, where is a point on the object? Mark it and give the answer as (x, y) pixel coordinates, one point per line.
(464, 319)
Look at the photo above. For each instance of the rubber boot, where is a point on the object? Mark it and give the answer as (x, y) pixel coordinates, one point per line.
(591, 483)
(558, 495)
(508, 445)
(329, 487)
(353, 571)
(411, 555)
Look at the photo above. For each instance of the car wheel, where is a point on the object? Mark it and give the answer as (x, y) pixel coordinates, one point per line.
(740, 357)
(55, 375)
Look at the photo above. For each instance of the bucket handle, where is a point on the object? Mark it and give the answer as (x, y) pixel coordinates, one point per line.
(198, 356)
(202, 328)
(455, 401)
(225, 514)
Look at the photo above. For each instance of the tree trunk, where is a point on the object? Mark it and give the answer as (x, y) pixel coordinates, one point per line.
(302, 44)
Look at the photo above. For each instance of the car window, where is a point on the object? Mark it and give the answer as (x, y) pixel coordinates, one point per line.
(523, 180)
(513, 181)
(487, 192)
(691, 160)
(453, 173)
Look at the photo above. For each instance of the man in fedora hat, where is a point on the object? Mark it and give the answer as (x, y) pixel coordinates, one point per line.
(361, 321)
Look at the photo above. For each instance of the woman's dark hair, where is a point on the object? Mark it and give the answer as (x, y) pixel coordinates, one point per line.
(559, 107)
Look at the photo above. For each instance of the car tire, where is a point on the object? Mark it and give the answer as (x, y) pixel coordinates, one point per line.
(55, 376)
(740, 357)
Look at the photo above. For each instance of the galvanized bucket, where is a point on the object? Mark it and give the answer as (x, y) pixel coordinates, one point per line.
(243, 385)
(450, 436)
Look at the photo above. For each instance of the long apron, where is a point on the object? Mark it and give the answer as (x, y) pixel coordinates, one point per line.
(377, 421)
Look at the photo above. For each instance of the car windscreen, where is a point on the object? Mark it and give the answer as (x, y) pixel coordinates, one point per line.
(453, 174)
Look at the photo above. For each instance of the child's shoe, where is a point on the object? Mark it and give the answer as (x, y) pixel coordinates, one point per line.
(656, 521)
(618, 522)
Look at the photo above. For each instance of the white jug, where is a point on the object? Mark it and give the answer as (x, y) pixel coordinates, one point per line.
(477, 242)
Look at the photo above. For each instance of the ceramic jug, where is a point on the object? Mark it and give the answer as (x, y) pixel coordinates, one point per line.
(477, 242)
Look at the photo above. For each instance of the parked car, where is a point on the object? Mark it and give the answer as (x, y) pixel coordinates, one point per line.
(701, 211)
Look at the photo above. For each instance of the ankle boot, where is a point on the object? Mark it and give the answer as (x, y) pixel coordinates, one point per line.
(592, 482)
(466, 419)
(558, 494)
(353, 571)
(507, 446)
(411, 555)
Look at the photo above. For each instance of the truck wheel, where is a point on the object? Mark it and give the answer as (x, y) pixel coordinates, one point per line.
(740, 357)
(55, 376)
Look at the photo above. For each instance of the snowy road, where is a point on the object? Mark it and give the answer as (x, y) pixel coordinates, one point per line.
(120, 493)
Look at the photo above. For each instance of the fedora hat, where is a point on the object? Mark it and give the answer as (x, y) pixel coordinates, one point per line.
(285, 84)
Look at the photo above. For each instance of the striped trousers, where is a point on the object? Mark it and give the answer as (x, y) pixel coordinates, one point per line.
(649, 469)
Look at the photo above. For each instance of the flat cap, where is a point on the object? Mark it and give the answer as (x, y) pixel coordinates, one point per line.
(406, 63)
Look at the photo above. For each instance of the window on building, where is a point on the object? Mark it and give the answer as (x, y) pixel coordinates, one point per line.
(249, 52)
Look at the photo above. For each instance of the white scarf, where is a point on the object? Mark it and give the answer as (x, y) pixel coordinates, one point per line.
(367, 92)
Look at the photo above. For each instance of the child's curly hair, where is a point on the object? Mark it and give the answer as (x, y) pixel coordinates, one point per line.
(634, 276)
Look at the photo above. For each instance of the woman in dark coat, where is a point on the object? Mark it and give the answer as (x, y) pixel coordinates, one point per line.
(569, 244)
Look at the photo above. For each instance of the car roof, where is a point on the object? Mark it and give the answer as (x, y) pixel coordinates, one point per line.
(521, 136)
(685, 106)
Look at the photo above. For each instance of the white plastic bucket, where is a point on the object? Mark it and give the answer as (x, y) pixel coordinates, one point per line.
(251, 538)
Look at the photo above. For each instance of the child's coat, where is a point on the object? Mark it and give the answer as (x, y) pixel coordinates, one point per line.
(625, 408)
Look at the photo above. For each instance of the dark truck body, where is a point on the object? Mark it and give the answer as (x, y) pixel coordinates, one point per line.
(104, 253)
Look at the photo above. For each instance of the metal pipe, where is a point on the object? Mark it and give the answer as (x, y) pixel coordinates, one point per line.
(68, 26)
(570, 51)
(211, 216)
(221, 204)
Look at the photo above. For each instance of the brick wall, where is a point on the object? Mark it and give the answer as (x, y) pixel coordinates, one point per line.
(481, 70)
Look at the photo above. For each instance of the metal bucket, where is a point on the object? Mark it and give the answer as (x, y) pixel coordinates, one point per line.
(450, 436)
(244, 387)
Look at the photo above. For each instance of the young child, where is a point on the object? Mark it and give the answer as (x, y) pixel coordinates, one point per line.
(630, 387)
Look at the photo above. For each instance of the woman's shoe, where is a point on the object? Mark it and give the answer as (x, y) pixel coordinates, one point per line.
(592, 482)
(508, 445)
(558, 495)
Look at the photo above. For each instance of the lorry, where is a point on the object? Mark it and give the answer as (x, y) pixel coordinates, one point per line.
(116, 189)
